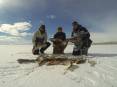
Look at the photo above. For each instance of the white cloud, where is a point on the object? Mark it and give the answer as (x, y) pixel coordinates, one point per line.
(9, 38)
(41, 22)
(102, 37)
(13, 40)
(15, 33)
(16, 29)
(107, 27)
(51, 17)
(1, 2)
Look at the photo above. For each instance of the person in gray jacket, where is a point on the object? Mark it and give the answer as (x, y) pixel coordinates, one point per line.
(40, 43)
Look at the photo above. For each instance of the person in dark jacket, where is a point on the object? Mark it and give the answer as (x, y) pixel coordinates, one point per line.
(59, 41)
(84, 42)
(60, 34)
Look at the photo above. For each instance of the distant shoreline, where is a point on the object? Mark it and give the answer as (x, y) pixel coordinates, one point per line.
(68, 44)
(106, 43)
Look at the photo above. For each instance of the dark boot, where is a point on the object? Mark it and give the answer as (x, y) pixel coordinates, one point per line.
(76, 53)
(44, 48)
(85, 51)
(36, 52)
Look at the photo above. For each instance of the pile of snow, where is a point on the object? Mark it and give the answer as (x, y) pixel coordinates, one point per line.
(103, 74)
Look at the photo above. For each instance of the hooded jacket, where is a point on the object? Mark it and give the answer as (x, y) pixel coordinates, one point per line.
(39, 37)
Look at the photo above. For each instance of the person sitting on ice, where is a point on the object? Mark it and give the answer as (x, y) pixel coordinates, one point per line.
(39, 40)
(82, 37)
(59, 41)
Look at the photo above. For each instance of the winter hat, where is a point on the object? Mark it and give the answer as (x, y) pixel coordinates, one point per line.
(75, 23)
(42, 26)
(60, 28)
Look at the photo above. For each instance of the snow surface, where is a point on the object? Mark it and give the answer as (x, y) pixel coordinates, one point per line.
(103, 74)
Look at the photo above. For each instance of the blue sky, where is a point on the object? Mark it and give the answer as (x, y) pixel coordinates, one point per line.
(19, 19)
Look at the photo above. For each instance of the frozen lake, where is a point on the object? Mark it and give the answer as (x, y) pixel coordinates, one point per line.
(103, 74)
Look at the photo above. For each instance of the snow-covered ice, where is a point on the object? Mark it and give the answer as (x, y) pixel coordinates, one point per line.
(12, 74)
